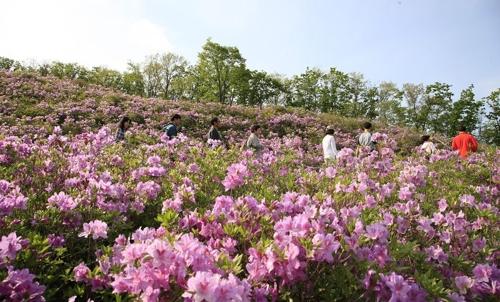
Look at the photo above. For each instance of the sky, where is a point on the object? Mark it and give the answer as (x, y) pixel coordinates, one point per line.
(403, 41)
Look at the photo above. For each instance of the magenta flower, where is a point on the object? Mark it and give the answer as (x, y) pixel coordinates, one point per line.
(98, 229)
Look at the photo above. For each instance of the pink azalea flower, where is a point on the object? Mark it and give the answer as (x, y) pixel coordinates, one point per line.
(98, 229)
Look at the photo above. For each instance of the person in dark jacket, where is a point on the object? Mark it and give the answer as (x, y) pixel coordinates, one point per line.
(173, 127)
(214, 133)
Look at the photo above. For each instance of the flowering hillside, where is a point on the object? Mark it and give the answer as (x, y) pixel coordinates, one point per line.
(84, 218)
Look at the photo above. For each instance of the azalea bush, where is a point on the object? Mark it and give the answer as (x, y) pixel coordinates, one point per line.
(152, 219)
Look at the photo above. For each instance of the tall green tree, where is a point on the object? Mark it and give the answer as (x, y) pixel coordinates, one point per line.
(435, 111)
(173, 66)
(389, 107)
(105, 77)
(6, 63)
(263, 88)
(413, 99)
(353, 105)
(218, 67)
(306, 90)
(152, 72)
(334, 90)
(491, 130)
(466, 111)
(133, 80)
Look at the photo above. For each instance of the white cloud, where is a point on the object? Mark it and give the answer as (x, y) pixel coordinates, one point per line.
(93, 32)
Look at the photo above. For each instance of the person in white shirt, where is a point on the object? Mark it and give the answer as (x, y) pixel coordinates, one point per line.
(329, 146)
(427, 146)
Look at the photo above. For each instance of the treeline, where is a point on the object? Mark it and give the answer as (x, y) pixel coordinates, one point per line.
(220, 74)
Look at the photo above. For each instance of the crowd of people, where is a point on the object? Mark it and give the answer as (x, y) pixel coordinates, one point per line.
(464, 142)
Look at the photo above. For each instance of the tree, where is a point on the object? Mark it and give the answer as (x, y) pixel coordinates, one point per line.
(70, 71)
(6, 63)
(152, 72)
(306, 89)
(105, 77)
(133, 80)
(389, 107)
(370, 103)
(434, 113)
(491, 129)
(263, 88)
(172, 67)
(466, 111)
(357, 85)
(413, 97)
(334, 91)
(217, 68)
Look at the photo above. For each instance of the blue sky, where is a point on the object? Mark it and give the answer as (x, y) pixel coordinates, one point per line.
(417, 41)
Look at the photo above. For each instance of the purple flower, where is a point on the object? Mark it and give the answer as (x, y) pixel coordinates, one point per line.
(236, 175)
(398, 286)
(325, 246)
(478, 244)
(330, 172)
(63, 201)
(454, 297)
(154, 160)
(98, 229)
(148, 189)
(442, 205)
(81, 272)
(463, 283)
(10, 198)
(482, 272)
(436, 253)
(19, 285)
(377, 231)
(56, 241)
(406, 192)
(9, 246)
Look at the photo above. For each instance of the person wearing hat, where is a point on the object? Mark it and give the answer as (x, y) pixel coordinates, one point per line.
(329, 146)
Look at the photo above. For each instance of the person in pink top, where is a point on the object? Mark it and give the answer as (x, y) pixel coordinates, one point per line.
(464, 142)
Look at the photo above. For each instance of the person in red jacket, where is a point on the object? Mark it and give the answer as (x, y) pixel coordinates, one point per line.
(464, 142)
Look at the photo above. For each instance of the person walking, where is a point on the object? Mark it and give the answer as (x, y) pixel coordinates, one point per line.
(464, 142)
(329, 146)
(123, 126)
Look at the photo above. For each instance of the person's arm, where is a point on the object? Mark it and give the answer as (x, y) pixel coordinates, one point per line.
(473, 143)
(454, 144)
(333, 145)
